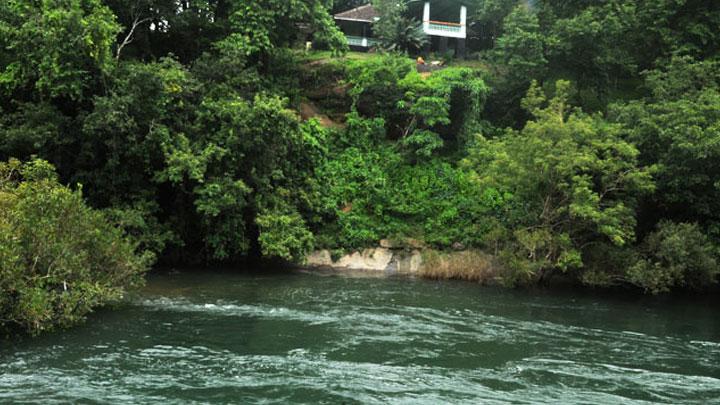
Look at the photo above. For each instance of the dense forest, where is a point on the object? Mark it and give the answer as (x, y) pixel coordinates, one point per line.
(578, 137)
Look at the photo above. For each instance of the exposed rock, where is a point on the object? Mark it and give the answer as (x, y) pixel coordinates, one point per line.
(471, 265)
(387, 244)
(458, 246)
(369, 259)
(377, 259)
(319, 258)
(409, 263)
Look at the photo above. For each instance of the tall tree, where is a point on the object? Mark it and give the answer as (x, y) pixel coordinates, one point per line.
(54, 50)
(571, 182)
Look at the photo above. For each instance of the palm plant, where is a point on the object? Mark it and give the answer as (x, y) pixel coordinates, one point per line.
(396, 31)
(405, 35)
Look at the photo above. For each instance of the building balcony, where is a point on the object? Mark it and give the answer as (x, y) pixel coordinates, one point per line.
(445, 29)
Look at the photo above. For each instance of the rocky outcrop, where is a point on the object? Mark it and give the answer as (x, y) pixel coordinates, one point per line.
(372, 259)
(407, 257)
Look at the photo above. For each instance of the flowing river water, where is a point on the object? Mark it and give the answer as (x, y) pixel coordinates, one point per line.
(205, 337)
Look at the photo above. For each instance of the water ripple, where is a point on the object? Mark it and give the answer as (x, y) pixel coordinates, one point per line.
(358, 341)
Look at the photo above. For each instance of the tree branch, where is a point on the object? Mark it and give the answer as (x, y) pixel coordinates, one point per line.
(129, 38)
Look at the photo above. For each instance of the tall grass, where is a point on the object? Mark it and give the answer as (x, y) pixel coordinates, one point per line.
(466, 265)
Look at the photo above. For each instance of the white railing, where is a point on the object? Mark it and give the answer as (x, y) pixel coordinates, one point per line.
(444, 29)
(360, 41)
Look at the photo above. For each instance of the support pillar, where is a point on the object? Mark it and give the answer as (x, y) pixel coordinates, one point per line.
(460, 50)
(426, 16)
(443, 45)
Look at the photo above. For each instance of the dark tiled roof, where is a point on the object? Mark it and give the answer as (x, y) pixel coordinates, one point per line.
(364, 13)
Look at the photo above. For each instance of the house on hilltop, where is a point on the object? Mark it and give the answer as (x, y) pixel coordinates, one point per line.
(444, 21)
(356, 24)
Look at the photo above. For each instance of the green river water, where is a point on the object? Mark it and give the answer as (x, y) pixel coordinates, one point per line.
(207, 337)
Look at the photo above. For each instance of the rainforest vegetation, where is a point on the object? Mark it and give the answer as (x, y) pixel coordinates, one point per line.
(578, 138)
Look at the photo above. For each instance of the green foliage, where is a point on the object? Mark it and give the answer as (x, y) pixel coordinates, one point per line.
(59, 258)
(675, 255)
(253, 25)
(241, 158)
(31, 129)
(683, 77)
(54, 49)
(596, 44)
(678, 129)
(422, 143)
(179, 117)
(422, 111)
(395, 29)
(284, 236)
(372, 192)
(490, 18)
(519, 57)
(122, 136)
(521, 47)
(376, 85)
(403, 35)
(573, 178)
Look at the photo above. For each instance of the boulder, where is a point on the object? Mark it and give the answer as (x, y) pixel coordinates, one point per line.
(319, 258)
(387, 244)
(369, 259)
(409, 263)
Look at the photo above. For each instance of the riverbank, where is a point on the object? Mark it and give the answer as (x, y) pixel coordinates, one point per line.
(413, 258)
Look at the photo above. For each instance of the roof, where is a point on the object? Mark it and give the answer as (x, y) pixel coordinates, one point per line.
(366, 13)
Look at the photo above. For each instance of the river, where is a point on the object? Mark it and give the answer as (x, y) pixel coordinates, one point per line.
(208, 337)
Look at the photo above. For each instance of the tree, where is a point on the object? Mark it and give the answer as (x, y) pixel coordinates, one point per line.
(518, 59)
(243, 160)
(521, 48)
(490, 18)
(596, 48)
(571, 180)
(678, 129)
(423, 112)
(675, 256)
(396, 31)
(59, 258)
(253, 25)
(54, 50)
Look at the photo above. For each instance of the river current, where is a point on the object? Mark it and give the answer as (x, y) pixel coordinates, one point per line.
(209, 337)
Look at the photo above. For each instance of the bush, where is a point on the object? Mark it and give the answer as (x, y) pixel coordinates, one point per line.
(675, 255)
(59, 258)
(572, 180)
(284, 236)
(371, 192)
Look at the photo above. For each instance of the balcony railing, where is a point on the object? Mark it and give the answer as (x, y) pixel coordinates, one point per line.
(442, 28)
(361, 41)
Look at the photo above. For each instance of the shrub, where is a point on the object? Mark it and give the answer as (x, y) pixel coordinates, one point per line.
(675, 255)
(59, 258)
(284, 236)
(574, 180)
